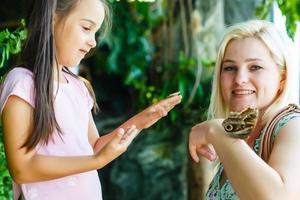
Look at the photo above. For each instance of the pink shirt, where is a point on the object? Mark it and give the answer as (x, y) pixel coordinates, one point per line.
(72, 107)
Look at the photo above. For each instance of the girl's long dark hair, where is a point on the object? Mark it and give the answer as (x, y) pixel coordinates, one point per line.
(39, 56)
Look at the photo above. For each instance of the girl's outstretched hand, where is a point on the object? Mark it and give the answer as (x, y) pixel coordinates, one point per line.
(199, 143)
(152, 114)
(117, 141)
(118, 145)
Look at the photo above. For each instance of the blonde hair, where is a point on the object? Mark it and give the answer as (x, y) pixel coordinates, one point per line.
(280, 47)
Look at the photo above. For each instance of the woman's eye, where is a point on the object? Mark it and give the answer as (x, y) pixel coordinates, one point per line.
(229, 68)
(255, 67)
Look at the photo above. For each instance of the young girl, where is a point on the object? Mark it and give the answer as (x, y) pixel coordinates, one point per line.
(52, 145)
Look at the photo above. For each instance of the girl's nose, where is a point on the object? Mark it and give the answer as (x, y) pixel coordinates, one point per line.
(92, 42)
(242, 76)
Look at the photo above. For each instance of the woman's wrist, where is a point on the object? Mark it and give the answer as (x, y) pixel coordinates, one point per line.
(215, 131)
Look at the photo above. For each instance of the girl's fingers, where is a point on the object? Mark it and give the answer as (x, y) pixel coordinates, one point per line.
(171, 101)
(174, 94)
(130, 138)
(119, 135)
(130, 130)
(163, 111)
(157, 111)
(129, 135)
(164, 106)
(174, 97)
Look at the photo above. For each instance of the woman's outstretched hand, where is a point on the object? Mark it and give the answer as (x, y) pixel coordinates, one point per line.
(152, 114)
(199, 142)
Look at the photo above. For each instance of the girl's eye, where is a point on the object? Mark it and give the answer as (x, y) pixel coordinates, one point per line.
(255, 67)
(229, 68)
(86, 28)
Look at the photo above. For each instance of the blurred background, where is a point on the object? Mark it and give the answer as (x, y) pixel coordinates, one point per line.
(155, 47)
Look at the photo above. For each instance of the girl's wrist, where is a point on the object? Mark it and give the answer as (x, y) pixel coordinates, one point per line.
(101, 159)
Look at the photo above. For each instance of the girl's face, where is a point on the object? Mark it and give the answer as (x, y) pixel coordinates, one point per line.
(249, 75)
(74, 35)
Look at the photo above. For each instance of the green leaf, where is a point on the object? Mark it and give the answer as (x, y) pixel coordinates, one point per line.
(7, 52)
(182, 86)
(23, 34)
(2, 36)
(133, 74)
(2, 58)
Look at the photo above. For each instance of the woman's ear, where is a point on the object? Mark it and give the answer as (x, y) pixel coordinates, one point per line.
(282, 80)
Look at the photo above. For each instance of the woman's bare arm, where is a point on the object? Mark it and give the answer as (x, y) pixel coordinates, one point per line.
(249, 175)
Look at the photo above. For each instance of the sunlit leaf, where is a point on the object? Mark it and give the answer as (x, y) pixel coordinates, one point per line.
(134, 73)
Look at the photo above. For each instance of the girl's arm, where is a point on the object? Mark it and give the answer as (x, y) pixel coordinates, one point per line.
(249, 175)
(153, 113)
(142, 120)
(27, 166)
(97, 142)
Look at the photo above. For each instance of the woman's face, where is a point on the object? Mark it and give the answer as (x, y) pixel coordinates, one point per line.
(249, 76)
(74, 35)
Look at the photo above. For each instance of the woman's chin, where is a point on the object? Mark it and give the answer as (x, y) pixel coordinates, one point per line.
(240, 107)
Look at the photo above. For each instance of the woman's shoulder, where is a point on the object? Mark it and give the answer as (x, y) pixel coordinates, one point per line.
(283, 117)
(284, 121)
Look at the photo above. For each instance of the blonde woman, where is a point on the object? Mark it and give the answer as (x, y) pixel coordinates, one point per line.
(253, 69)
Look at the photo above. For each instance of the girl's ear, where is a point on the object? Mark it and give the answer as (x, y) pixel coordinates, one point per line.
(55, 19)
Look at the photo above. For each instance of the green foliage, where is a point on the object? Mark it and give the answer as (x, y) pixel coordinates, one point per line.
(131, 50)
(132, 56)
(290, 9)
(151, 70)
(5, 179)
(11, 42)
